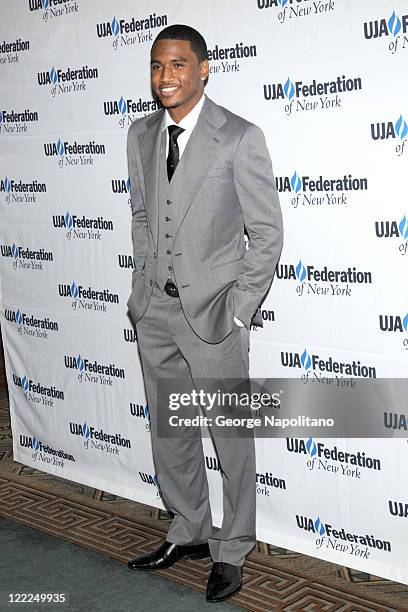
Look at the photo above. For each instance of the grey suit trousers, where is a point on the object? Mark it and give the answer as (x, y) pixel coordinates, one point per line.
(169, 348)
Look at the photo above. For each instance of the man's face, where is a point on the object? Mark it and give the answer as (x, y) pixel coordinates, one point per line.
(177, 76)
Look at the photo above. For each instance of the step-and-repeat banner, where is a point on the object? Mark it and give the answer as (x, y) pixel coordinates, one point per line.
(325, 79)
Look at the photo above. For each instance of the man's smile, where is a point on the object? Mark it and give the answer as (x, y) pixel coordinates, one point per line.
(167, 90)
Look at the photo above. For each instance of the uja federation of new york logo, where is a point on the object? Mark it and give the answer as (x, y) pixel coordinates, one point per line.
(87, 298)
(323, 281)
(15, 191)
(81, 227)
(11, 51)
(24, 258)
(396, 230)
(38, 393)
(392, 29)
(30, 325)
(91, 371)
(17, 121)
(67, 80)
(394, 323)
(74, 153)
(126, 110)
(96, 438)
(331, 460)
(314, 192)
(125, 32)
(287, 11)
(299, 96)
(394, 130)
(361, 544)
(44, 452)
(53, 9)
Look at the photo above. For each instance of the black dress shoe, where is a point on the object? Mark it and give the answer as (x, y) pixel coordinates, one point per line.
(225, 580)
(167, 555)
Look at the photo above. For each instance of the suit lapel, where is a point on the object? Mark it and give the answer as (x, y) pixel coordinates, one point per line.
(201, 152)
(149, 147)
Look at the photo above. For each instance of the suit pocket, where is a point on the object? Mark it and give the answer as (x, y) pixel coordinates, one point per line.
(227, 271)
(137, 298)
(219, 171)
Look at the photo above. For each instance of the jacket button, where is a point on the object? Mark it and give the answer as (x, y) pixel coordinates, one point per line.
(169, 202)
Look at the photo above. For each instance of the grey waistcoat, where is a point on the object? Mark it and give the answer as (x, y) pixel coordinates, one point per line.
(168, 213)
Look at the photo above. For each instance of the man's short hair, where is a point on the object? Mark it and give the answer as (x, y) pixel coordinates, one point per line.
(185, 32)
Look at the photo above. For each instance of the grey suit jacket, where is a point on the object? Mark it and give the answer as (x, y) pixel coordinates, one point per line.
(229, 185)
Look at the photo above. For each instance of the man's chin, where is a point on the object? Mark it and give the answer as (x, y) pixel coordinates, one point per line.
(170, 103)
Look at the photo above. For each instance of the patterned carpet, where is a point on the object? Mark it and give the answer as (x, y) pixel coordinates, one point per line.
(274, 578)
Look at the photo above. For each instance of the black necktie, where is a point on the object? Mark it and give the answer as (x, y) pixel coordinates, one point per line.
(173, 156)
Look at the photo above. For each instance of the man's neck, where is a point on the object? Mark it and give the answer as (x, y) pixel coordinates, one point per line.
(178, 114)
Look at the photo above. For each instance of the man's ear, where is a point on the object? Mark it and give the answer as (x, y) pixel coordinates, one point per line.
(204, 70)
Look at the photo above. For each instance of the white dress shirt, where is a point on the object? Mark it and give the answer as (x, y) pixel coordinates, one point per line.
(188, 124)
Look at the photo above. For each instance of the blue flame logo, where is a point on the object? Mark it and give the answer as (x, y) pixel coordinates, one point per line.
(300, 271)
(45, 4)
(115, 26)
(19, 317)
(7, 185)
(122, 105)
(74, 290)
(25, 383)
(14, 250)
(53, 75)
(319, 527)
(68, 220)
(60, 147)
(295, 182)
(36, 443)
(289, 89)
(305, 360)
(147, 412)
(156, 481)
(1, 116)
(311, 447)
(401, 127)
(394, 24)
(283, 2)
(403, 227)
(405, 322)
(80, 363)
(128, 185)
(85, 430)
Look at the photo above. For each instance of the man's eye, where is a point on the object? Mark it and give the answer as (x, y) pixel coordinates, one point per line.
(178, 65)
(155, 67)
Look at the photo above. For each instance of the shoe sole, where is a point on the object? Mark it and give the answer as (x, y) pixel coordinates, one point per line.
(225, 597)
(195, 556)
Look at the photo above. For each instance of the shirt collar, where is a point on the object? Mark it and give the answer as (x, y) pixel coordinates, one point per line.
(189, 121)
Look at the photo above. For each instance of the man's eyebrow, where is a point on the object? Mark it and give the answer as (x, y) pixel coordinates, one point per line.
(175, 59)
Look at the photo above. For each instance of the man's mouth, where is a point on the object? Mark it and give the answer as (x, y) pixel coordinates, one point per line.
(168, 91)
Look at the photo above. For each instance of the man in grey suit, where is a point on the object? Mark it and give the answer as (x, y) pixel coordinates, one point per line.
(199, 175)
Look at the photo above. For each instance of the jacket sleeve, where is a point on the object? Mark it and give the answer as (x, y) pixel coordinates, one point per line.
(259, 201)
(139, 220)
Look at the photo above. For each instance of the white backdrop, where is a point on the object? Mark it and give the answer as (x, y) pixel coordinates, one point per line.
(340, 159)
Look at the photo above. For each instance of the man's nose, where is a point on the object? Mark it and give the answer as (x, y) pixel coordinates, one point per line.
(166, 73)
